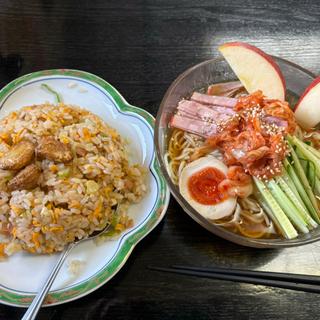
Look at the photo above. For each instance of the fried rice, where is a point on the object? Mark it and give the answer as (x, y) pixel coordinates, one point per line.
(73, 199)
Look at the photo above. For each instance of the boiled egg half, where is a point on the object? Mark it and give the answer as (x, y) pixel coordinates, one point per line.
(198, 184)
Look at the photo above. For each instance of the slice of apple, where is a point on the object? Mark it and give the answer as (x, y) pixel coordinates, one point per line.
(307, 110)
(255, 69)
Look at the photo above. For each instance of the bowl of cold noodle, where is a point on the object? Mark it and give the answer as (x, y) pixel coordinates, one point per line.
(238, 144)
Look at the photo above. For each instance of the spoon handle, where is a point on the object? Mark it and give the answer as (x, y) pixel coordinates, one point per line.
(37, 301)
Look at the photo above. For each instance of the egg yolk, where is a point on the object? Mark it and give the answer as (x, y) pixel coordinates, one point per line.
(203, 186)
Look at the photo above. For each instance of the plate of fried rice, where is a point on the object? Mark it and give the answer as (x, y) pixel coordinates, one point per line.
(74, 157)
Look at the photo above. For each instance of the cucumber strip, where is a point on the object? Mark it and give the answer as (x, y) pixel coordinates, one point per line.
(301, 209)
(308, 168)
(317, 187)
(311, 175)
(303, 162)
(291, 185)
(299, 171)
(267, 209)
(295, 179)
(305, 150)
(287, 206)
(279, 217)
(312, 150)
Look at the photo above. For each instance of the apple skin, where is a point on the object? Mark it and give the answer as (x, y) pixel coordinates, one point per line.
(306, 91)
(302, 111)
(262, 54)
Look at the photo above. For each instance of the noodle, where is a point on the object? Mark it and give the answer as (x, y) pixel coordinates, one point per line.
(248, 219)
(181, 146)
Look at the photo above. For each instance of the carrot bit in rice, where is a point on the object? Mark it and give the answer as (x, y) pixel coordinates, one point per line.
(53, 168)
(64, 140)
(86, 134)
(36, 223)
(119, 227)
(56, 229)
(6, 137)
(35, 239)
(14, 232)
(2, 250)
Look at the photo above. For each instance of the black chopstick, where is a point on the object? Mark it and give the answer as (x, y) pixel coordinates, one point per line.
(289, 277)
(289, 283)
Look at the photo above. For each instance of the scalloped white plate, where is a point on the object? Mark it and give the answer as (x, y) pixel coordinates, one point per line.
(22, 275)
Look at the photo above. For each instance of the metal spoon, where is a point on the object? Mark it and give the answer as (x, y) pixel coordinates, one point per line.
(34, 307)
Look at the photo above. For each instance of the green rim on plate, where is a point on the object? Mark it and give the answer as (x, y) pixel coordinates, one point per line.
(64, 295)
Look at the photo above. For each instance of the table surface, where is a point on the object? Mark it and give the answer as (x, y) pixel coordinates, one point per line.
(140, 47)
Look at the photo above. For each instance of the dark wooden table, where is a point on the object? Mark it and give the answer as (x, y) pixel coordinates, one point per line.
(140, 47)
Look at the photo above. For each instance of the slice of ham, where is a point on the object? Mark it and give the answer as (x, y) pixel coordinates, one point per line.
(220, 109)
(214, 100)
(191, 122)
(223, 110)
(214, 113)
(185, 114)
(199, 127)
(203, 114)
(225, 88)
(277, 121)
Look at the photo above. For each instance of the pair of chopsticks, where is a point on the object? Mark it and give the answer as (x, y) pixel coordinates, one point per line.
(299, 282)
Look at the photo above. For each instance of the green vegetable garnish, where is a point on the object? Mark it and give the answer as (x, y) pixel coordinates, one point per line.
(55, 93)
(64, 173)
(278, 216)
